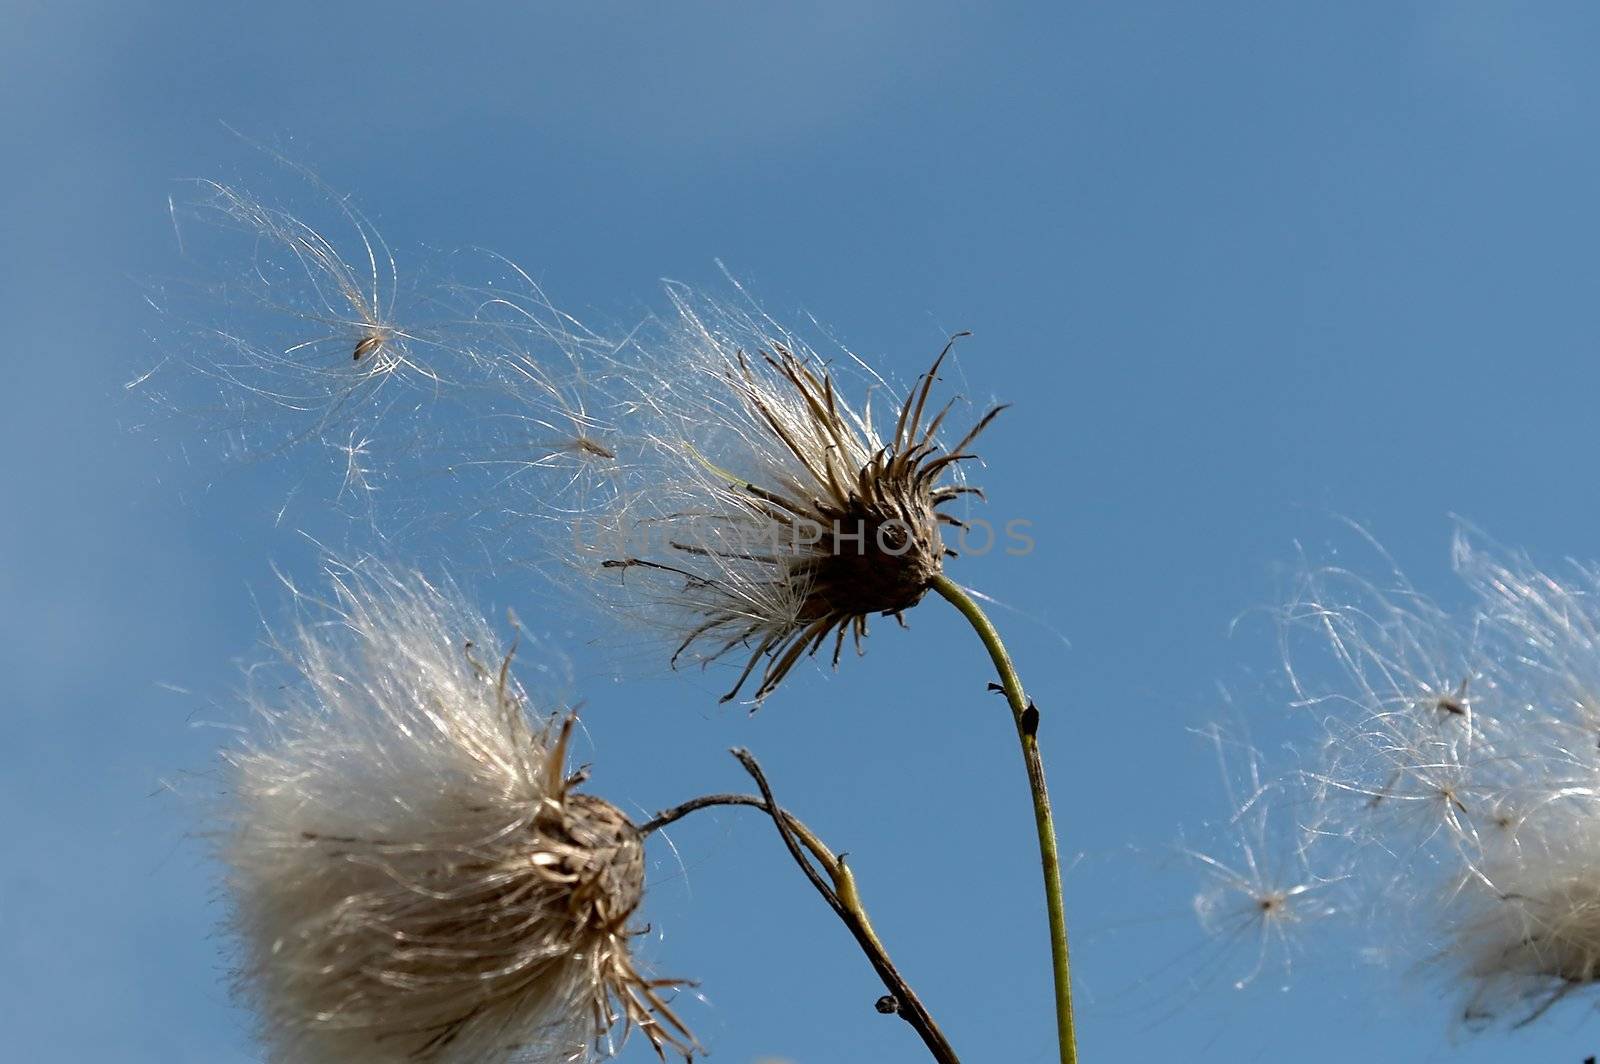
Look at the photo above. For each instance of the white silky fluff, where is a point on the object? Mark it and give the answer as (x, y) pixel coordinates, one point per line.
(705, 436)
(1454, 790)
(397, 852)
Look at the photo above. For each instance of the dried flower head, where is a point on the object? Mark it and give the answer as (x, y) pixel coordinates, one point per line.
(414, 875)
(769, 515)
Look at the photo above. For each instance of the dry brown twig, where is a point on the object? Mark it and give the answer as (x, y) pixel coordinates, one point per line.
(840, 894)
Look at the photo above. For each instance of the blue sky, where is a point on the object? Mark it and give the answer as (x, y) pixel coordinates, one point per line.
(1241, 268)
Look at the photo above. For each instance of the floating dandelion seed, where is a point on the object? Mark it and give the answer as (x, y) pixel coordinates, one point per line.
(1454, 703)
(414, 874)
(294, 328)
(1259, 884)
(542, 412)
(345, 306)
(771, 516)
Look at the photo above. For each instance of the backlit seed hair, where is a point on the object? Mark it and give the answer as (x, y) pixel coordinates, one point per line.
(414, 875)
(539, 439)
(770, 516)
(291, 332)
(1455, 782)
(1261, 885)
(1528, 935)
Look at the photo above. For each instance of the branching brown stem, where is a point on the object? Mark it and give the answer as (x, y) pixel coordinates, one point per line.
(840, 894)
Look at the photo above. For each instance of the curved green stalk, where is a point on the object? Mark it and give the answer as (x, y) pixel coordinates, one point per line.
(1026, 718)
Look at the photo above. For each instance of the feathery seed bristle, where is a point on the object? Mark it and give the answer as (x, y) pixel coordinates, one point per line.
(413, 874)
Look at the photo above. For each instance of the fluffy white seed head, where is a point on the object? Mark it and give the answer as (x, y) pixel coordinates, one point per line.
(412, 873)
(1528, 930)
(1456, 780)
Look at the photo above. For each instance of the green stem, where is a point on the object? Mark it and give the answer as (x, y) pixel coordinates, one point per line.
(1026, 718)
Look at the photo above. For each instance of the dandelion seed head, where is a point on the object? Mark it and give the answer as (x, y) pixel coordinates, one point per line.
(414, 874)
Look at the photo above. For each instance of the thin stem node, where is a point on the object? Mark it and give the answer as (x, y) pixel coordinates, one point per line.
(841, 895)
(1025, 715)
